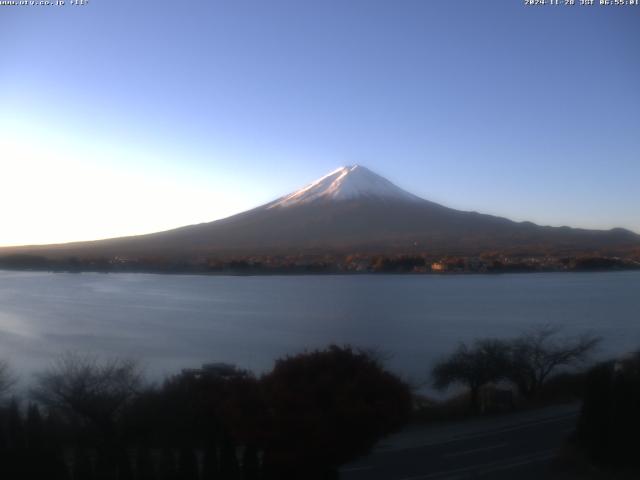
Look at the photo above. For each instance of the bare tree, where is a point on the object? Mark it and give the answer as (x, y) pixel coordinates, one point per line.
(539, 352)
(93, 389)
(473, 366)
(7, 378)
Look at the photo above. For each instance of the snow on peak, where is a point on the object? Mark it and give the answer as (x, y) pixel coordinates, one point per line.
(346, 183)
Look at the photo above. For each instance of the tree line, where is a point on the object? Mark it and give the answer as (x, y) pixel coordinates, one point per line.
(331, 263)
(526, 362)
(89, 418)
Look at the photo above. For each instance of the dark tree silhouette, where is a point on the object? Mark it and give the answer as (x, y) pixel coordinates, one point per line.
(35, 428)
(473, 366)
(187, 464)
(16, 429)
(82, 464)
(168, 465)
(326, 408)
(314, 412)
(94, 390)
(210, 465)
(536, 354)
(228, 460)
(144, 464)
(92, 395)
(610, 418)
(250, 463)
(7, 378)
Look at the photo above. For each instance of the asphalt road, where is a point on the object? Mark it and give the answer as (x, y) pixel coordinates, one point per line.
(515, 446)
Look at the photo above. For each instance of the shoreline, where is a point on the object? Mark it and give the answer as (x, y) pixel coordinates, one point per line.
(318, 274)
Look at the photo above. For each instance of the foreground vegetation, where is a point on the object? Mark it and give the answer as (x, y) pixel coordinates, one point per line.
(498, 372)
(610, 419)
(90, 419)
(539, 368)
(87, 418)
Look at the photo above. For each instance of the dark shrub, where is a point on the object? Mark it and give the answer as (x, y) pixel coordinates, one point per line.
(610, 417)
(327, 408)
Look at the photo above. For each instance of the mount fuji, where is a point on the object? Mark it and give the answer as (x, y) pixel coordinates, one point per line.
(351, 209)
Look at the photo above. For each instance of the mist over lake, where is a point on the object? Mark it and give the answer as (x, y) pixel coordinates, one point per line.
(174, 321)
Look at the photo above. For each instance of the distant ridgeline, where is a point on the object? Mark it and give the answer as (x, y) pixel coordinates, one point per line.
(327, 264)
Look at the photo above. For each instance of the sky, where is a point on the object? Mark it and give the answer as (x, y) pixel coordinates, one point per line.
(121, 117)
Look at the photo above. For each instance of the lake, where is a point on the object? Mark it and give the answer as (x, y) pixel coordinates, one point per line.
(175, 321)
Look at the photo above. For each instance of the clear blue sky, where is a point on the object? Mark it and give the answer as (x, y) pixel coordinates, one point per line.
(124, 117)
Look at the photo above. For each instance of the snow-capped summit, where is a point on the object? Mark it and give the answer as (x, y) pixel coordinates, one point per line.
(346, 183)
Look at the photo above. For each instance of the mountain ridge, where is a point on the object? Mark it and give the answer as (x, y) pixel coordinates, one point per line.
(350, 209)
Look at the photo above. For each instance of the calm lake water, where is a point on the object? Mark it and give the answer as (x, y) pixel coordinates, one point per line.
(174, 321)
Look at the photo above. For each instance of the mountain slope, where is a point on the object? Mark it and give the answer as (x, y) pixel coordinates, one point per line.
(351, 209)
